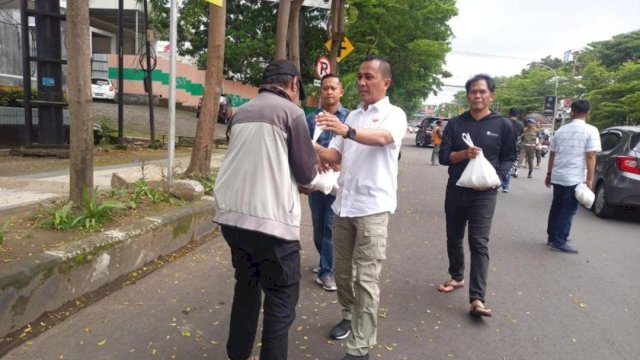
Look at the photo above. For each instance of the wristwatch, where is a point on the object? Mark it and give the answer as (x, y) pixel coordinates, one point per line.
(351, 133)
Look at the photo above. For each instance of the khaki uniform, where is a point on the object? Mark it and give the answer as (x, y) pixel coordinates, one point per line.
(529, 140)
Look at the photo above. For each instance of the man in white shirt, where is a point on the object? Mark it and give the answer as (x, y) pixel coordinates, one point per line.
(572, 161)
(367, 150)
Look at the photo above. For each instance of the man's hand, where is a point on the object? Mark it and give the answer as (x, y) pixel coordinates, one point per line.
(590, 184)
(330, 122)
(472, 152)
(547, 181)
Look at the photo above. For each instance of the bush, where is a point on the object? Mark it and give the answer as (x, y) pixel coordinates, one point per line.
(10, 95)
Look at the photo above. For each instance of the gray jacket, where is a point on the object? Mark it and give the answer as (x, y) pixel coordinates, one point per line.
(269, 154)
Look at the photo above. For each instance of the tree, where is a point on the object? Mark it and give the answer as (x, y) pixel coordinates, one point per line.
(336, 32)
(415, 39)
(201, 154)
(80, 102)
(617, 103)
(613, 53)
(284, 7)
(159, 17)
(294, 33)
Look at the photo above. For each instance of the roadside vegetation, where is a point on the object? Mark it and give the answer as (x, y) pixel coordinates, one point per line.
(607, 73)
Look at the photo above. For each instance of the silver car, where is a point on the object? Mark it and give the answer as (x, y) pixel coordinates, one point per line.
(617, 175)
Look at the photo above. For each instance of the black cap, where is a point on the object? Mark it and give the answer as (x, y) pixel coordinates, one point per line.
(283, 67)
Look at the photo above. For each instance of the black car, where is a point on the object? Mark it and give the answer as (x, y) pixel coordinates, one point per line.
(617, 176)
(423, 134)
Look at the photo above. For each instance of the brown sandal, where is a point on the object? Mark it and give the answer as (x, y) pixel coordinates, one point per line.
(448, 286)
(479, 310)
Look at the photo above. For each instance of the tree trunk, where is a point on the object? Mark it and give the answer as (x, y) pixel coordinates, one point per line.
(294, 33)
(80, 102)
(284, 8)
(336, 32)
(201, 154)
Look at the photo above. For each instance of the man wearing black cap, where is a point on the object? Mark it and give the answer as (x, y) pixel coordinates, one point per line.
(258, 209)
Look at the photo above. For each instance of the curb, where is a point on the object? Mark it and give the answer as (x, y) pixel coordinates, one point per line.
(32, 286)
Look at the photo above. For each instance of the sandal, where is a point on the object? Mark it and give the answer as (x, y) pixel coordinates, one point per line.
(479, 310)
(448, 286)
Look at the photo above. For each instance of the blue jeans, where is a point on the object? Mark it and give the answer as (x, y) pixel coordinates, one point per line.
(322, 218)
(563, 208)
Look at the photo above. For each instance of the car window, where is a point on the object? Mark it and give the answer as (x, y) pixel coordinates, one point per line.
(609, 140)
(100, 82)
(634, 143)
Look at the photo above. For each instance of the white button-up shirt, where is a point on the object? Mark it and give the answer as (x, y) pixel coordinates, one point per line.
(369, 174)
(570, 143)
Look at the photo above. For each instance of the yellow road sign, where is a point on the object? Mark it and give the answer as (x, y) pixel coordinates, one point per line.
(345, 49)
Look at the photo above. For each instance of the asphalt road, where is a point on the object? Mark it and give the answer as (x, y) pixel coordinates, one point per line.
(546, 305)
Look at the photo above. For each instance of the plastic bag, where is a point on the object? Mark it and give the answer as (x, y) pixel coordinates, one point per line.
(584, 195)
(327, 182)
(479, 173)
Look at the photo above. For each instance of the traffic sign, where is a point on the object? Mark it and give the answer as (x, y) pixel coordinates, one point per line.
(323, 66)
(345, 48)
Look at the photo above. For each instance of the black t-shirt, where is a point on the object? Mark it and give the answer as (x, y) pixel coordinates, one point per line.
(518, 128)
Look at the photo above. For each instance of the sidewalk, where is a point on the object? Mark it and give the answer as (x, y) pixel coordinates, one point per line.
(45, 280)
(25, 190)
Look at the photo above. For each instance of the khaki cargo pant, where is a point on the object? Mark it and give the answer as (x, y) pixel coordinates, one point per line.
(359, 246)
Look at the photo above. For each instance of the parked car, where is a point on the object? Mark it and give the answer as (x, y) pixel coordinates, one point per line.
(224, 110)
(423, 134)
(617, 176)
(102, 88)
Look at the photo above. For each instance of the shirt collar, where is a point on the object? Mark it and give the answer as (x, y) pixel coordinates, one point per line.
(380, 105)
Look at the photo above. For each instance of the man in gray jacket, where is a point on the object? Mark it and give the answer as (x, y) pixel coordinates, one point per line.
(258, 208)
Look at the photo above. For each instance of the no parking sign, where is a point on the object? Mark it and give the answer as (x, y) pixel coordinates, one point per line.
(323, 66)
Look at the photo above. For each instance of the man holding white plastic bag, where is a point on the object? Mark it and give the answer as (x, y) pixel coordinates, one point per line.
(492, 137)
(572, 161)
(319, 202)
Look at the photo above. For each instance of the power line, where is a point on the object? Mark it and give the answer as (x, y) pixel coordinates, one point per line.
(464, 53)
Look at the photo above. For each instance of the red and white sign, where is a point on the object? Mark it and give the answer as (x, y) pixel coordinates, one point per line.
(566, 103)
(323, 66)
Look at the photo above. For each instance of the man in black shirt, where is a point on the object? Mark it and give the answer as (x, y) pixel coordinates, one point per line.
(493, 136)
(518, 128)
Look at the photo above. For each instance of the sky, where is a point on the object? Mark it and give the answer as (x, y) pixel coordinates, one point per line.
(500, 37)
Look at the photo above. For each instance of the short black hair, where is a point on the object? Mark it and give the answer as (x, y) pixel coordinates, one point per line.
(329, 76)
(514, 112)
(438, 122)
(580, 106)
(385, 67)
(491, 84)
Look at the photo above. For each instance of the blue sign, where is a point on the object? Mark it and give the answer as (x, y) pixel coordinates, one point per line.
(48, 81)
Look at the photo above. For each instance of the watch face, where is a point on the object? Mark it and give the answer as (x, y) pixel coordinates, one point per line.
(352, 133)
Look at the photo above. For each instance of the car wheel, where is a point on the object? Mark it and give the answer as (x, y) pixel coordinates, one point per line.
(600, 206)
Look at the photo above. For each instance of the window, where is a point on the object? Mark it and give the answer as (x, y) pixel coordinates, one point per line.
(609, 140)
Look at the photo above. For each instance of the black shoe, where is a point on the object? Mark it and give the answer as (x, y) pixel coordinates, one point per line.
(565, 248)
(356, 357)
(341, 331)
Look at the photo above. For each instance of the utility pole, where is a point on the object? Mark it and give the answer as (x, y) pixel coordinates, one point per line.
(120, 73)
(148, 85)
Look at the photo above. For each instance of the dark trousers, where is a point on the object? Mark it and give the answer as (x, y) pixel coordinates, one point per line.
(563, 208)
(266, 264)
(466, 206)
(322, 218)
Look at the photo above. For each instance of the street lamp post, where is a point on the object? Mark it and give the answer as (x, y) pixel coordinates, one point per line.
(555, 94)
